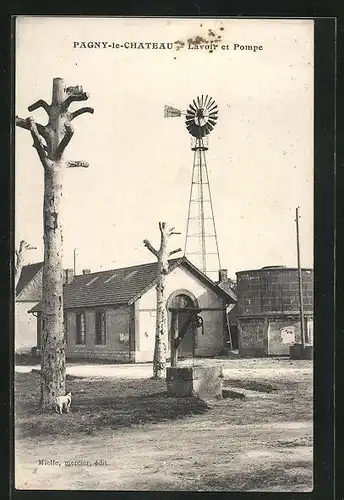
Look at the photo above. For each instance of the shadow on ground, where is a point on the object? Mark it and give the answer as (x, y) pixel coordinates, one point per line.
(99, 404)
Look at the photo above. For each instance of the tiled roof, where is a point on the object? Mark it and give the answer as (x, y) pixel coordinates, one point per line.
(118, 286)
(115, 286)
(227, 287)
(27, 274)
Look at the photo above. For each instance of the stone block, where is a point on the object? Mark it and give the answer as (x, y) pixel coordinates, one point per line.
(204, 381)
(295, 352)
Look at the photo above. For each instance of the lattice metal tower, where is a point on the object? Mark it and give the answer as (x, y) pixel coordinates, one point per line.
(201, 243)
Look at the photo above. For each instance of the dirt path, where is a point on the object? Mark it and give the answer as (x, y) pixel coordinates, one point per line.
(264, 367)
(237, 457)
(260, 443)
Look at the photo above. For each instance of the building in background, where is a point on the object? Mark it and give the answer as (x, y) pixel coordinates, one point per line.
(28, 294)
(268, 310)
(111, 314)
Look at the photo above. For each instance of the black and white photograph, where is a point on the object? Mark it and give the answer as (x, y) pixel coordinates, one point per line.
(164, 270)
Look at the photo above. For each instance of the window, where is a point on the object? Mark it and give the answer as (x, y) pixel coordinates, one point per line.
(130, 275)
(92, 281)
(111, 277)
(80, 328)
(100, 328)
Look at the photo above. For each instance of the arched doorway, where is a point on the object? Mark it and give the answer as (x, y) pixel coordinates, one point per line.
(184, 299)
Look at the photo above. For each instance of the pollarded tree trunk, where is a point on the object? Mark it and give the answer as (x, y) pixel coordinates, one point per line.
(50, 142)
(53, 367)
(160, 346)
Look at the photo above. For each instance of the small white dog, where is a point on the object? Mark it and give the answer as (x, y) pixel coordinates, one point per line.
(63, 403)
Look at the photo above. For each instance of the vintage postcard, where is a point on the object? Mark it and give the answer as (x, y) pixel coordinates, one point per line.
(164, 254)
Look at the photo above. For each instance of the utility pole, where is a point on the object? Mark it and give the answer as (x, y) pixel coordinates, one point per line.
(74, 259)
(50, 142)
(302, 321)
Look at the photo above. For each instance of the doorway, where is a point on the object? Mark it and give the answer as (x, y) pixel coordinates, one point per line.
(188, 344)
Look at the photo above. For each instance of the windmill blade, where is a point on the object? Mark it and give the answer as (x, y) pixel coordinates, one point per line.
(206, 101)
(208, 128)
(214, 113)
(212, 107)
(193, 109)
(195, 104)
(211, 102)
(199, 102)
(202, 101)
(213, 117)
(212, 122)
(190, 120)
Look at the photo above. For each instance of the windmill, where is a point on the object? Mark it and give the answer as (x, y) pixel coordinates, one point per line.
(201, 244)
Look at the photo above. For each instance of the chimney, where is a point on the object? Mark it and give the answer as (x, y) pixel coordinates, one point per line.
(223, 275)
(68, 276)
(86, 271)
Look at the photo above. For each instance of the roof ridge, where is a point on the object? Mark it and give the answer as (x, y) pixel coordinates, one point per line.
(40, 263)
(124, 268)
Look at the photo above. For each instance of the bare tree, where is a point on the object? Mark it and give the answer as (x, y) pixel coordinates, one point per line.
(50, 142)
(18, 266)
(159, 359)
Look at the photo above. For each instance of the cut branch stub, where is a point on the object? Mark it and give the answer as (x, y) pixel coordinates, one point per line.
(81, 111)
(40, 104)
(150, 247)
(77, 164)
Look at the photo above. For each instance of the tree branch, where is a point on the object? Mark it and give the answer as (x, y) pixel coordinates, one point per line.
(25, 123)
(65, 140)
(150, 247)
(76, 164)
(81, 111)
(38, 143)
(40, 104)
(22, 123)
(75, 97)
(174, 251)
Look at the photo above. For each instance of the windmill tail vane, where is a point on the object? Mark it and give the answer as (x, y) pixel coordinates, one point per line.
(170, 112)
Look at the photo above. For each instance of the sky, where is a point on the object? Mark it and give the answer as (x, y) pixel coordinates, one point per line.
(260, 157)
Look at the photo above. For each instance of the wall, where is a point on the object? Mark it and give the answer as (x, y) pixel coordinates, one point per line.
(268, 310)
(209, 344)
(25, 333)
(262, 336)
(117, 323)
(273, 290)
(33, 290)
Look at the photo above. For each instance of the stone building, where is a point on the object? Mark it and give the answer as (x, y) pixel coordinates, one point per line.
(28, 294)
(268, 310)
(111, 314)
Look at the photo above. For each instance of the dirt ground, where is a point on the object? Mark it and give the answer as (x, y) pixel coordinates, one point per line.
(124, 433)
